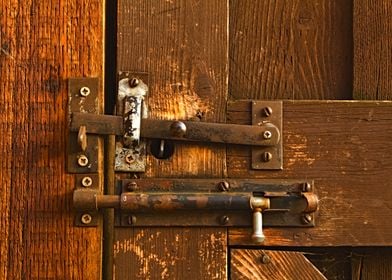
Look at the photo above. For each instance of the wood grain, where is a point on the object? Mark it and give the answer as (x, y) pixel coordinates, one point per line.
(372, 30)
(290, 49)
(183, 46)
(341, 146)
(281, 265)
(42, 44)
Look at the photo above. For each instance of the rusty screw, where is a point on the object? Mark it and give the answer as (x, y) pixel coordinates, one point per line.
(266, 157)
(132, 220)
(86, 219)
(84, 91)
(82, 161)
(129, 158)
(307, 219)
(87, 182)
(267, 111)
(132, 186)
(306, 187)
(224, 220)
(265, 259)
(134, 82)
(223, 186)
(267, 134)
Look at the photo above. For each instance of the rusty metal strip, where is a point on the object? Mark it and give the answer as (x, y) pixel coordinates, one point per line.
(268, 157)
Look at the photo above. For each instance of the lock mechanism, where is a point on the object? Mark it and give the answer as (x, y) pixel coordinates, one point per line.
(210, 202)
(182, 202)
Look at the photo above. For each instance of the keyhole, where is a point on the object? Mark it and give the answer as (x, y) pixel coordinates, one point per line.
(162, 149)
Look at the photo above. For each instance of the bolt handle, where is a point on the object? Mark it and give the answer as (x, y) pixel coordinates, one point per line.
(258, 235)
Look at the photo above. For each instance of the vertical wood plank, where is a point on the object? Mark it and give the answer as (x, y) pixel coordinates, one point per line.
(183, 46)
(43, 43)
(290, 49)
(372, 30)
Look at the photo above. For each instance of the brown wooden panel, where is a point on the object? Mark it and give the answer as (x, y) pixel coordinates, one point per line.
(183, 46)
(43, 43)
(342, 147)
(372, 49)
(271, 265)
(291, 49)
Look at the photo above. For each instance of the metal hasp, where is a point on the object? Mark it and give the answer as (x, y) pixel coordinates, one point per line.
(240, 203)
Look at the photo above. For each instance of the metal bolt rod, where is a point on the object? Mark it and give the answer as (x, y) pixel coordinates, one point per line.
(258, 204)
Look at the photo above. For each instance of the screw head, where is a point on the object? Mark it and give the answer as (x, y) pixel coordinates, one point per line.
(266, 157)
(223, 186)
(82, 161)
(129, 158)
(86, 219)
(132, 220)
(307, 219)
(87, 182)
(267, 134)
(265, 259)
(267, 111)
(306, 187)
(133, 82)
(178, 129)
(132, 186)
(85, 91)
(224, 220)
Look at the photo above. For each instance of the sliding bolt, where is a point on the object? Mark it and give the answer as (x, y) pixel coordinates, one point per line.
(267, 111)
(87, 182)
(267, 134)
(86, 219)
(307, 219)
(223, 186)
(84, 91)
(134, 82)
(82, 161)
(266, 157)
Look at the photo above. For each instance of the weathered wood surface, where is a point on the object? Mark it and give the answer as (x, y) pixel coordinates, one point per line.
(271, 265)
(342, 147)
(372, 26)
(291, 49)
(42, 44)
(183, 45)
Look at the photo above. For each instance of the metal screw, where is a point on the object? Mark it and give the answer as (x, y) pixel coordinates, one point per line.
(307, 218)
(134, 82)
(223, 186)
(265, 259)
(266, 157)
(86, 219)
(132, 186)
(84, 91)
(82, 161)
(87, 182)
(224, 220)
(178, 129)
(129, 158)
(131, 220)
(267, 134)
(306, 187)
(267, 111)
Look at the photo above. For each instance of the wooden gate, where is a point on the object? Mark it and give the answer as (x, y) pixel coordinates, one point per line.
(203, 59)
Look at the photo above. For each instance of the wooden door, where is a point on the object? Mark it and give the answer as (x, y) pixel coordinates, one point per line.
(202, 58)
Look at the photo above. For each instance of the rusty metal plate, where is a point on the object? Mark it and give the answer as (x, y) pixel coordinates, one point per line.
(83, 98)
(268, 157)
(132, 158)
(87, 182)
(288, 203)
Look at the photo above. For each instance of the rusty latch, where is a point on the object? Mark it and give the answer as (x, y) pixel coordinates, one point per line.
(205, 203)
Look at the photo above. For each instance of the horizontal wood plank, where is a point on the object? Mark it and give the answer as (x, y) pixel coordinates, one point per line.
(342, 146)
